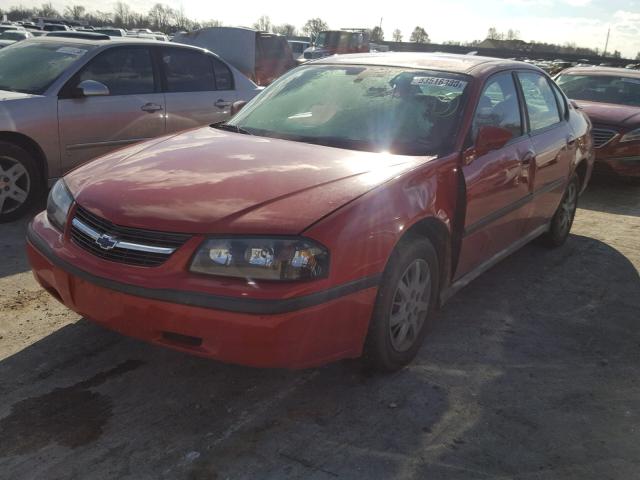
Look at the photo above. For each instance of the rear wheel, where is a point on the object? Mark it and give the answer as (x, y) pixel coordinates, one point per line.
(20, 182)
(406, 299)
(563, 218)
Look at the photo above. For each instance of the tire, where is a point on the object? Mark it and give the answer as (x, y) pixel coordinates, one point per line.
(384, 348)
(563, 218)
(20, 182)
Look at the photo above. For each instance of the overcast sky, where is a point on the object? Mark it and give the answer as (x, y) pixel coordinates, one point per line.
(584, 22)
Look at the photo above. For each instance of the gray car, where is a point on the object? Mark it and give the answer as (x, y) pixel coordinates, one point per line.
(64, 101)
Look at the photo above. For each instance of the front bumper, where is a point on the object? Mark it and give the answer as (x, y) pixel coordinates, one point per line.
(297, 336)
(625, 166)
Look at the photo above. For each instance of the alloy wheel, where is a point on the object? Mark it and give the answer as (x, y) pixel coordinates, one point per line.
(15, 184)
(568, 207)
(410, 305)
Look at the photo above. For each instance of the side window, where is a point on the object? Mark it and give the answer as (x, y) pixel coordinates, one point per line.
(498, 106)
(125, 71)
(562, 105)
(224, 77)
(187, 71)
(540, 100)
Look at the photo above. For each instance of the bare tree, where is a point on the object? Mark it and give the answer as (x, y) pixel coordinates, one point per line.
(493, 34)
(314, 26)
(122, 15)
(159, 16)
(397, 35)
(419, 35)
(377, 34)
(263, 24)
(513, 34)
(74, 11)
(211, 23)
(286, 29)
(47, 11)
(180, 19)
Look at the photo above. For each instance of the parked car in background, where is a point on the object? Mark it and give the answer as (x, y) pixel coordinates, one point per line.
(111, 31)
(297, 48)
(82, 98)
(261, 56)
(611, 98)
(56, 27)
(333, 42)
(9, 37)
(4, 28)
(328, 219)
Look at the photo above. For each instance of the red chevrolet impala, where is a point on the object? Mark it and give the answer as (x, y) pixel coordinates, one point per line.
(328, 219)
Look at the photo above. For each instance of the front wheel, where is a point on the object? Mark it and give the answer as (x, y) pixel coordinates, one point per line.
(563, 218)
(20, 182)
(406, 300)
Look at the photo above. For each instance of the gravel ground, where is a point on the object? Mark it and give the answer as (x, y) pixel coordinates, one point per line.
(531, 372)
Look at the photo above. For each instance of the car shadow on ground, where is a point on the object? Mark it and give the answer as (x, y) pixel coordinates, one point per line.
(527, 373)
(616, 195)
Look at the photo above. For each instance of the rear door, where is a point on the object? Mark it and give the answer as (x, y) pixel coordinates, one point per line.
(497, 183)
(133, 110)
(553, 143)
(199, 88)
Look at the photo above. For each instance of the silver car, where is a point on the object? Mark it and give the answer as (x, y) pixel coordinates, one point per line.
(64, 101)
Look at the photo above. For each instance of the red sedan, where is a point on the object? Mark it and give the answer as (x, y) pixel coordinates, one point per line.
(611, 98)
(328, 219)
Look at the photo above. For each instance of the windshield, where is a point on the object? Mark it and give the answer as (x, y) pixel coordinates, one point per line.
(601, 88)
(367, 108)
(30, 67)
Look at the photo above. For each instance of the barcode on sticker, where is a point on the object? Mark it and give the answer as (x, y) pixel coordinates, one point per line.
(440, 82)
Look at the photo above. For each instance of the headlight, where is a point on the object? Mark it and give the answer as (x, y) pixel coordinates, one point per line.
(58, 205)
(631, 136)
(262, 258)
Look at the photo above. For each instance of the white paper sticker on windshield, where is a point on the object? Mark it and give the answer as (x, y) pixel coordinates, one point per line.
(72, 51)
(451, 83)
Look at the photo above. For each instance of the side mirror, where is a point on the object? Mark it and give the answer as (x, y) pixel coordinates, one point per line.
(489, 138)
(237, 106)
(91, 88)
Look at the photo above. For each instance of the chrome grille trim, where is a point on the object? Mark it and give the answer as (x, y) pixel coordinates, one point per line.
(602, 136)
(117, 243)
(94, 234)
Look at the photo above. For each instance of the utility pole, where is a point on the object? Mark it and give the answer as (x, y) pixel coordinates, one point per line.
(606, 44)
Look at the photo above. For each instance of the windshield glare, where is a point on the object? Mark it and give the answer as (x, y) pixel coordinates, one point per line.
(30, 67)
(601, 88)
(360, 108)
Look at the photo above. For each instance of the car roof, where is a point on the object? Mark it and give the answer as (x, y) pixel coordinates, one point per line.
(467, 64)
(99, 42)
(613, 71)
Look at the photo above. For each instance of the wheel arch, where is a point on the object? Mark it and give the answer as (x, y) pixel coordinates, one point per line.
(582, 169)
(31, 146)
(437, 232)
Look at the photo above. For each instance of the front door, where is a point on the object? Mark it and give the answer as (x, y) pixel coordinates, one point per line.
(133, 110)
(498, 182)
(199, 89)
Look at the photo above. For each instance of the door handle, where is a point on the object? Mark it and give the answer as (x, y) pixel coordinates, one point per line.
(151, 107)
(222, 103)
(528, 158)
(571, 140)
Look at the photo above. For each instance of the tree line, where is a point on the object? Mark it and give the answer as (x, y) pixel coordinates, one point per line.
(162, 17)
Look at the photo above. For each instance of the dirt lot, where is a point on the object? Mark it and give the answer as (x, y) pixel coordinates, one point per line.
(532, 372)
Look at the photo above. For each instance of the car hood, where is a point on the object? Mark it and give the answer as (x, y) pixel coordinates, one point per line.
(611, 114)
(210, 181)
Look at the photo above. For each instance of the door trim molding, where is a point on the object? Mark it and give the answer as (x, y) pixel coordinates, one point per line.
(111, 143)
(487, 264)
(492, 217)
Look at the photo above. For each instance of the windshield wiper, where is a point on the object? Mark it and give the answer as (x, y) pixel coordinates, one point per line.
(231, 128)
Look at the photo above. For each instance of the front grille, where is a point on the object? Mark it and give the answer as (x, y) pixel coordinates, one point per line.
(602, 136)
(131, 241)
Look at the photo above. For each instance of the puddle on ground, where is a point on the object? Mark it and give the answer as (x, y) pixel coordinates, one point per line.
(71, 416)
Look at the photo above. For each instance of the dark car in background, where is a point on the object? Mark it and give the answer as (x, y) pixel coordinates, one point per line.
(611, 98)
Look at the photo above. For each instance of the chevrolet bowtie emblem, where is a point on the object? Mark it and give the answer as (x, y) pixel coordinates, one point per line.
(106, 242)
